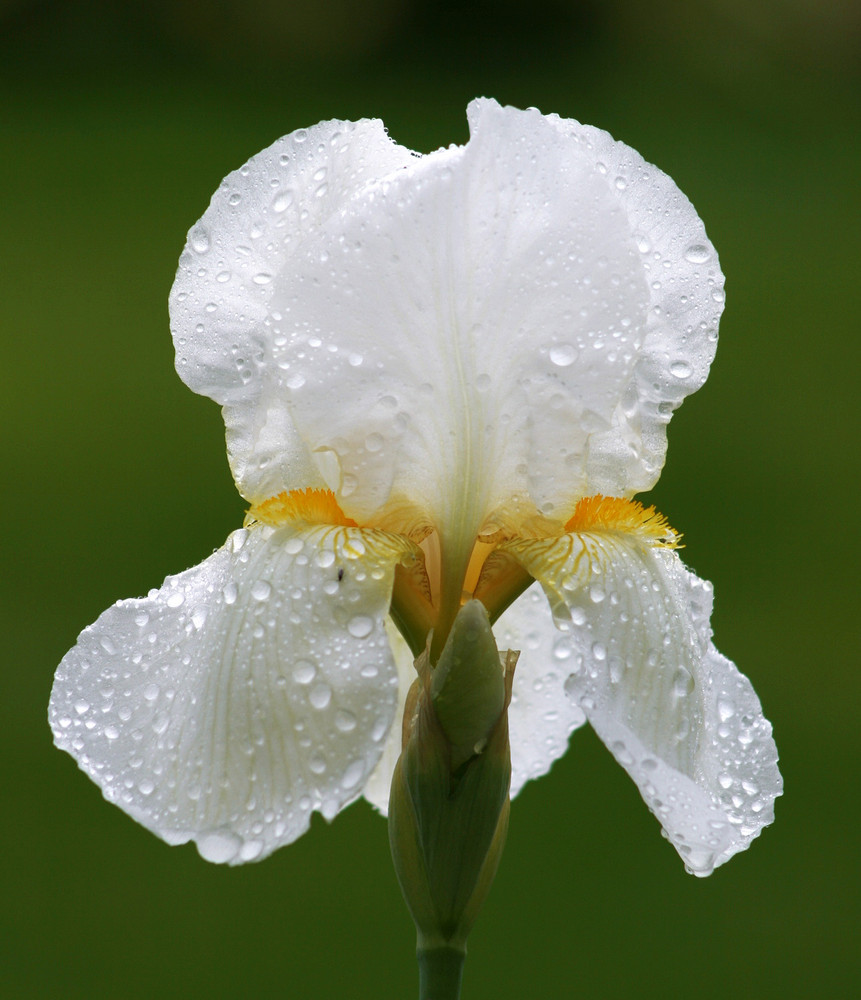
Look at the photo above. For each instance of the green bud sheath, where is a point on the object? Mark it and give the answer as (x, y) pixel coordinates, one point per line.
(448, 810)
(468, 683)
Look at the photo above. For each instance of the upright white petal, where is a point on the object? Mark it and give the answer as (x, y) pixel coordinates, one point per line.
(224, 324)
(479, 309)
(686, 299)
(677, 715)
(514, 319)
(244, 694)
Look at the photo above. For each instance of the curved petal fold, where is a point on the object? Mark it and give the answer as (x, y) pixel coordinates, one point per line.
(242, 695)
(678, 716)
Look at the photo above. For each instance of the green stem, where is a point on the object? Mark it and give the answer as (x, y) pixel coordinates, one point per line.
(440, 972)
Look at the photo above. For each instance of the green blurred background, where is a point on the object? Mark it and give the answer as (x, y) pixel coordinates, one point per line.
(117, 124)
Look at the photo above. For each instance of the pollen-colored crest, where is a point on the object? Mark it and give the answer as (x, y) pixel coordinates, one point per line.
(600, 513)
(307, 506)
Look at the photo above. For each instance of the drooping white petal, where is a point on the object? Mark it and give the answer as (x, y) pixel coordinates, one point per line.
(244, 694)
(540, 717)
(676, 714)
(224, 324)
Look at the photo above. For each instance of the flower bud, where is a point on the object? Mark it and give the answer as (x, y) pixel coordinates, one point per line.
(448, 811)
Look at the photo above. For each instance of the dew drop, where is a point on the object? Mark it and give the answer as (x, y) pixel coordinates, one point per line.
(282, 201)
(697, 254)
(320, 695)
(345, 721)
(219, 847)
(230, 593)
(726, 709)
(250, 850)
(360, 627)
(261, 590)
(562, 648)
(199, 240)
(353, 774)
(304, 671)
(681, 369)
(683, 683)
(563, 355)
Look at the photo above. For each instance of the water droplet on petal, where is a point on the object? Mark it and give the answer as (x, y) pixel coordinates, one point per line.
(219, 847)
(250, 850)
(726, 709)
(562, 648)
(681, 369)
(361, 626)
(282, 201)
(320, 695)
(353, 774)
(304, 672)
(697, 254)
(683, 683)
(563, 355)
(345, 721)
(199, 239)
(261, 589)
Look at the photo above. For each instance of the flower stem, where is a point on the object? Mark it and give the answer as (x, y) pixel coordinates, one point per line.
(440, 972)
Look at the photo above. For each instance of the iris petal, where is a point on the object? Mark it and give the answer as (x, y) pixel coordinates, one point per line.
(677, 715)
(242, 695)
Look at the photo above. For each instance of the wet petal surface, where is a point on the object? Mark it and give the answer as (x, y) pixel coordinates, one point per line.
(676, 714)
(242, 695)
(540, 718)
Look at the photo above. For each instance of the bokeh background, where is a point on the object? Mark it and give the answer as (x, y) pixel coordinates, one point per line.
(117, 124)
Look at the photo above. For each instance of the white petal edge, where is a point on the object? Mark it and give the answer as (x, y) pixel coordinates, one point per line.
(378, 787)
(540, 718)
(242, 695)
(223, 324)
(676, 714)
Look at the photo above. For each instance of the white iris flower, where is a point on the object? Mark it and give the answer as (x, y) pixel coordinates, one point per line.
(442, 377)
